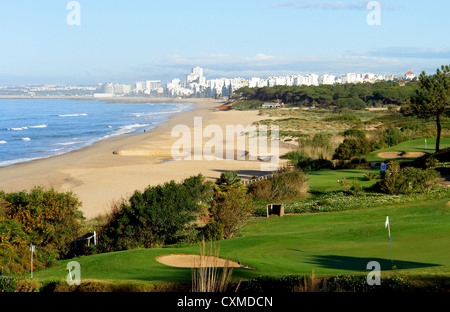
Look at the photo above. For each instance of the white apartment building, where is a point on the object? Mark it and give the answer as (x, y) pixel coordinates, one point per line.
(327, 80)
(113, 88)
(196, 76)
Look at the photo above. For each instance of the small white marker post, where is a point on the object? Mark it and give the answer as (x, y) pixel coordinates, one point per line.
(426, 145)
(32, 249)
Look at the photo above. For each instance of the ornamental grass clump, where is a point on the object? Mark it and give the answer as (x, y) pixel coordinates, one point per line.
(206, 275)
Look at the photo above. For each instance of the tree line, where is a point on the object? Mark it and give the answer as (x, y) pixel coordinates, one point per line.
(350, 96)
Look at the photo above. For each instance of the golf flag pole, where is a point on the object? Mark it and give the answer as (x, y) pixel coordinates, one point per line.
(388, 226)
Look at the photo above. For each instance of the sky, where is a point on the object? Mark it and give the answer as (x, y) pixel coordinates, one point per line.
(136, 40)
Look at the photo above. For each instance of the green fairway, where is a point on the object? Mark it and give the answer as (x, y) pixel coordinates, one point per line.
(327, 180)
(410, 146)
(329, 243)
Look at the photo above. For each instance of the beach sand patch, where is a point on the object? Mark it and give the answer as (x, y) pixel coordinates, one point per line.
(142, 153)
(191, 261)
(395, 154)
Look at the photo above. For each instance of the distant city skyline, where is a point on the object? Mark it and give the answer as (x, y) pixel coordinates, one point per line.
(128, 42)
(196, 84)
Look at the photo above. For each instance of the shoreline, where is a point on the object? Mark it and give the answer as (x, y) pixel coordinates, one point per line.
(112, 169)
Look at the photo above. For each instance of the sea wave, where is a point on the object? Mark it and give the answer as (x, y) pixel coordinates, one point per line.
(25, 139)
(26, 128)
(126, 129)
(3, 142)
(73, 115)
(67, 143)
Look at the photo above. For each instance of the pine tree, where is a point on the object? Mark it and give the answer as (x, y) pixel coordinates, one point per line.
(432, 98)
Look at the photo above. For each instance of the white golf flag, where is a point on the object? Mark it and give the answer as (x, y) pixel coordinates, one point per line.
(387, 225)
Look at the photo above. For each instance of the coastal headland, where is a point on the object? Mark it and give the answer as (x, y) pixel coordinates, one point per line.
(113, 169)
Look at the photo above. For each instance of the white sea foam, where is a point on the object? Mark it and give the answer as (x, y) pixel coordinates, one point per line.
(15, 161)
(26, 128)
(26, 139)
(127, 129)
(3, 142)
(73, 115)
(67, 143)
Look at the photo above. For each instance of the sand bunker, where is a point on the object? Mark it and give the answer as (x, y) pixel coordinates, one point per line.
(191, 261)
(400, 154)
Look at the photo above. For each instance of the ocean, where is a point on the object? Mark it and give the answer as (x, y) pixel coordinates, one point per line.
(39, 128)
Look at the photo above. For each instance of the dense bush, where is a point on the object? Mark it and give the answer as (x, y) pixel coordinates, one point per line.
(230, 211)
(354, 133)
(14, 246)
(393, 136)
(48, 219)
(163, 214)
(306, 163)
(407, 180)
(427, 161)
(353, 147)
(285, 185)
(350, 103)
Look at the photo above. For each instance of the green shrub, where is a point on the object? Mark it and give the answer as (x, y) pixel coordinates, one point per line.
(355, 133)
(345, 184)
(286, 185)
(393, 136)
(213, 231)
(407, 180)
(14, 246)
(49, 219)
(370, 176)
(306, 163)
(228, 180)
(163, 214)
(230, 211)
(354, 147)
(424, 161)
(350, 103)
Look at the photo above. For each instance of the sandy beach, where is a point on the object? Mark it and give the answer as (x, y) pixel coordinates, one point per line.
(113, 169)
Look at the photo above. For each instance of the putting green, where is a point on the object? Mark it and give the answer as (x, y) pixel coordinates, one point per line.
(413, 146)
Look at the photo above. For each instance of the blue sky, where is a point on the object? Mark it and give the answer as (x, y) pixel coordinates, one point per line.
(126, 41)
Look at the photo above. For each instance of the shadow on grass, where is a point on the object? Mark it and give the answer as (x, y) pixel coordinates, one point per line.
(360, 264)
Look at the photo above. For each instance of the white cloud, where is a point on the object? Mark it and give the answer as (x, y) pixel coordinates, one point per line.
(328, 5)
(262, 65)
(332, 5)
